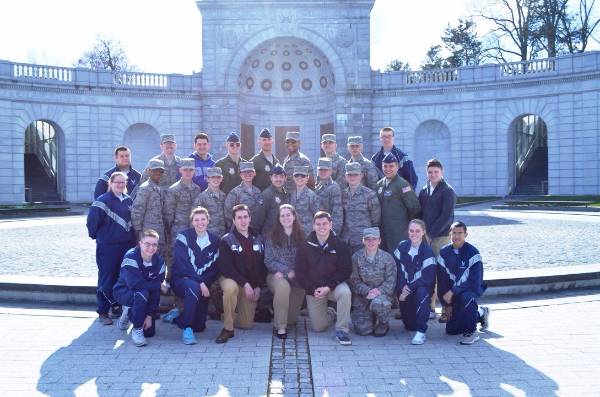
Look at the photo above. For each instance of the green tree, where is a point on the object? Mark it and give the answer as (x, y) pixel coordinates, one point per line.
(462, 43)
(397, 65)
(433, 58)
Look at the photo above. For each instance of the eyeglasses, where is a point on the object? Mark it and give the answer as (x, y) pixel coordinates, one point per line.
(300, 176)
(118, 183)
(148, 245)
(234, 144)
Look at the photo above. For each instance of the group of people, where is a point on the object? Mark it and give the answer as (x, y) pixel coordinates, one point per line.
(224, 232)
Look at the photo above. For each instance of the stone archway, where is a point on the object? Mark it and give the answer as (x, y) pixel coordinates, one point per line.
(44, 162)
(144, 142)
(528, 155)
(283, 82)
(432, 140)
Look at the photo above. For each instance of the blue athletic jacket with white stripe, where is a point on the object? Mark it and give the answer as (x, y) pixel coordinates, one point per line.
(133, 179)
(109, 220)
(415, 272)
(192, 261)
(460, 272)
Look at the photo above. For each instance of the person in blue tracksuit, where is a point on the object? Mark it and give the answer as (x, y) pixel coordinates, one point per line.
(460, 284)
(139, 286)
(109, 223)
(195, 268)
(406, 168)
(123, 164)
(202, 160)
(415, 279)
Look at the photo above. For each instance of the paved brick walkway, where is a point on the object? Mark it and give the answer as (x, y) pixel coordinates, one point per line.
(535, 347)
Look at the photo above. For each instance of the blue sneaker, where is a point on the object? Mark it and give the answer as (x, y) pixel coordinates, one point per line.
(343, 338)
(171, 316)
(188, 337)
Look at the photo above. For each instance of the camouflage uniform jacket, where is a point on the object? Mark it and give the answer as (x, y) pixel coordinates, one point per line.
(330, 199)
(295, 160)
(399, 204)
(231, 173)
(370, 172)
(361, 210)
(378, 273)
(243, 194)
(263, 168)
(171, 174)
(307, 205)
(147, 210)
(214, 202)
(179, 200)
(338, 166)
(268, 213)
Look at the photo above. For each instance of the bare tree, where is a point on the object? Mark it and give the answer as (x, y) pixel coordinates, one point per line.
(512, 34)
(106, 54)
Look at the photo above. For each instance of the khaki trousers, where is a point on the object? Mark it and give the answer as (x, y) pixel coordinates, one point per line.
(436, 244)
(235, 298)
(287, 301)
(317, 309)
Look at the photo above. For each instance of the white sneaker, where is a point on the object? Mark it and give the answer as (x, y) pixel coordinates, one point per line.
(468, 338)
(123, 322)
(137, 336)
(419, 338)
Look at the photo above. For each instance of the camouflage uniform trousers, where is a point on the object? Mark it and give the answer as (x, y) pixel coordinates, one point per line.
(366, 314)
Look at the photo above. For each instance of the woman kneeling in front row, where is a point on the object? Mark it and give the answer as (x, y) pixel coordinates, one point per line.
(416, 276)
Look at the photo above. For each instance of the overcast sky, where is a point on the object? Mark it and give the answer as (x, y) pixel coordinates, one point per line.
(165, 36)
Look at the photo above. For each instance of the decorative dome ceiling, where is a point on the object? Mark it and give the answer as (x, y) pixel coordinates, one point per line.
(285, 67)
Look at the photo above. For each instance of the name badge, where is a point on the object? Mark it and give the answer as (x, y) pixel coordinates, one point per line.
(256, 247)
(387, 193)
(231, 171)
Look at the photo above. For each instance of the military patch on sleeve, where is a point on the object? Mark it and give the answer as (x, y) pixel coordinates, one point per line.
(406, 189)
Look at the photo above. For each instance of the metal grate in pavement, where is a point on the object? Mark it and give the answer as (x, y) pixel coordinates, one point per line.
(290, 373)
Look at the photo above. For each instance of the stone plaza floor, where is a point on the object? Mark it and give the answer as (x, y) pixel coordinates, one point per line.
(539, 345)
(508, 240)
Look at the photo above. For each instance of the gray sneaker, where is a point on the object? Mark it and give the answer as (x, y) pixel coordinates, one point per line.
(137, 336)
(484, 319)
(123, 322)
(343, 338)
(468, 338)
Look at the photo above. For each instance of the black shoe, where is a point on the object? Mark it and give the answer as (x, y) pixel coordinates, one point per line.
(116, 311)
(224, 336)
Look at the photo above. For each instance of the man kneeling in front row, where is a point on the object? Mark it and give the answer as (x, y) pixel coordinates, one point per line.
(139, 285)
(460, 284)
(323, 264)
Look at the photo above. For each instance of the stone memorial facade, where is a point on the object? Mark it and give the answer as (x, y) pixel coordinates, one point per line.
(524, 127)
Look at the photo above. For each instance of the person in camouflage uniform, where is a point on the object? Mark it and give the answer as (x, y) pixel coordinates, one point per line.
(272, 197)
(213, 199)
(172, 163)
(369, 171)
(399, 204)
(178, 204)
(304, 200)
(372, 282)
(330, 194)
(244, 193)
(147, 210)
(338, 163)
(296, 159)
(264, 161)
(361, 208)
(230, 164)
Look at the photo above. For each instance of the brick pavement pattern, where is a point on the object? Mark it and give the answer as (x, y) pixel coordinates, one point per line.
(536, 347)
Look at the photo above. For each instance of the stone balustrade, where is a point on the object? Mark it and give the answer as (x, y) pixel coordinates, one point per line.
(79, 77)
(489, 73)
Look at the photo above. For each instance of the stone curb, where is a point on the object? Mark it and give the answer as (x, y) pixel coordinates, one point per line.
(544, 208)
(515, 282)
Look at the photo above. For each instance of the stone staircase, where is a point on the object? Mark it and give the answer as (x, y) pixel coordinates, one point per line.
(534, 180)
(36, 179)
